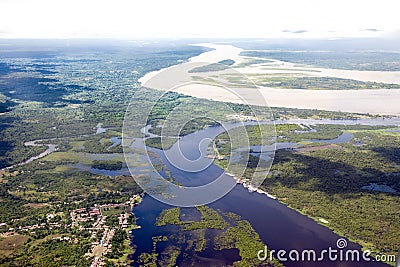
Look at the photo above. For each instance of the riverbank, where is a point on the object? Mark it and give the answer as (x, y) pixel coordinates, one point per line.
(124, 260)
(335, 229)
(334, 196)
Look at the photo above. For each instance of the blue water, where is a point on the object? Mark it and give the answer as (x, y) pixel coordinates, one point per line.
(278, 226)
(116, 141)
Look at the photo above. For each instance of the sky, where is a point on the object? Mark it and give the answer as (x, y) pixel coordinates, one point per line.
(133, 19)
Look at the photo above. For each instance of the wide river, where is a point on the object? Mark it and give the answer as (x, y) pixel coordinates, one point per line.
(373, 101)
(278, 226)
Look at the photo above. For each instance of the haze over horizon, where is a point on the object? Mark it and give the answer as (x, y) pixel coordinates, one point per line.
(210, 19)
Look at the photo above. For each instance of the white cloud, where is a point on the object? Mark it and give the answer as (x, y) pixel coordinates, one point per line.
(205, 18)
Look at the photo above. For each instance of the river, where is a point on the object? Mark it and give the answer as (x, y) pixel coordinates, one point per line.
(52, 147)
(278, 226)
(373, 101)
